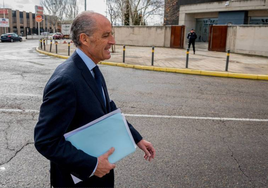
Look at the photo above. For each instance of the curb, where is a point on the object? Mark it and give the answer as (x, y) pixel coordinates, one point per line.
(51, 54)
(174, 70)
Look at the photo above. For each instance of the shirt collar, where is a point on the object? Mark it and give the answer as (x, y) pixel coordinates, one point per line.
(89, 63)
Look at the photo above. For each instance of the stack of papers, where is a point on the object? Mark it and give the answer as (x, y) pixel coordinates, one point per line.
(98, 136)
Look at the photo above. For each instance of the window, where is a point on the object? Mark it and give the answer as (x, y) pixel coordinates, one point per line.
(258, 20)
(21, 17)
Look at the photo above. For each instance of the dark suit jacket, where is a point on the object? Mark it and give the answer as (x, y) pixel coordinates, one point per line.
(71, 99)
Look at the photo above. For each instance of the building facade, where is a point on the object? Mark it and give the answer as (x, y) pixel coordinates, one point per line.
(23, 23)
(200, 14)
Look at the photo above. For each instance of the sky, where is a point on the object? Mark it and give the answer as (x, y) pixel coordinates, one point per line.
(28, 5)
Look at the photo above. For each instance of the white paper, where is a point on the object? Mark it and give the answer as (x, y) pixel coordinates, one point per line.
(75, 179)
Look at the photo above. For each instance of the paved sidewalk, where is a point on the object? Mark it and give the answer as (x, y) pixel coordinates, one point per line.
(176, 58)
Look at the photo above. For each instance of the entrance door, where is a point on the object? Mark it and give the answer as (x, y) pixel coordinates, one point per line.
(217, 38)
(177, 36)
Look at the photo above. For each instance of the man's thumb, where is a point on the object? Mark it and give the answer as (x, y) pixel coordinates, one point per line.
(110, 152)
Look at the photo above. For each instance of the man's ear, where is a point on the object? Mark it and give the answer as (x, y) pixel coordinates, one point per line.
(84, 39)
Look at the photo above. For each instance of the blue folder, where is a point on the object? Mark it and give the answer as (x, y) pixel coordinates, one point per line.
(97, 137)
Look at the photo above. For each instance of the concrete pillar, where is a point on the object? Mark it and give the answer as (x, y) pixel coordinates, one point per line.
(18, 21)
(24, 23)
(10, 20)
(36, 25)
(43, 23)
(48, 23)
(31, 22)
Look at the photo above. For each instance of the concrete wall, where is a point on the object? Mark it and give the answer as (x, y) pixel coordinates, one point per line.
(236, 5)
(143, 35)
(248, 40)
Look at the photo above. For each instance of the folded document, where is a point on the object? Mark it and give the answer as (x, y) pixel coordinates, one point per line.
(98, 136)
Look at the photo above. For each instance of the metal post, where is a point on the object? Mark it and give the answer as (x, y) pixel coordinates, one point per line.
(56, 42)
(153, 56)
(227, 60)
(38, 23)
(124, 53)
(26, 31)
(69, 48)
(50, 45)
(187, 57)
(44, 42)
(41, 44)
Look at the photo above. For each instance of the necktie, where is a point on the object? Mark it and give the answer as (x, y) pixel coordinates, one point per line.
(98, 78)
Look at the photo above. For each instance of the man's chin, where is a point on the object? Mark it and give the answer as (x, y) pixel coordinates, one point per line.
(107, 57)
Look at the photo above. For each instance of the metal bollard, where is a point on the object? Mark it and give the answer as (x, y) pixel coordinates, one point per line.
(69, 48)
(124, 53)
(44, 43)
(50, 45)
(227, 60)
(153, 56)
(187, 58)
(41, 44)
(56, 43)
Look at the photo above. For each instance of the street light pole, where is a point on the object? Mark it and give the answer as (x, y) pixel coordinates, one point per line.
(85, 5)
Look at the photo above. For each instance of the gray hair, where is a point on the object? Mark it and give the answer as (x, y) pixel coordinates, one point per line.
(83, 23)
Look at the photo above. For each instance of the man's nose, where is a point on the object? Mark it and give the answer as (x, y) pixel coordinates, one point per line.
(112, 40)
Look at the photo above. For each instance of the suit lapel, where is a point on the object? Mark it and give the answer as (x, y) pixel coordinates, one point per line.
(86, 74)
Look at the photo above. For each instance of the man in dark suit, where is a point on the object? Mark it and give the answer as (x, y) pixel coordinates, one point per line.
(77, 94)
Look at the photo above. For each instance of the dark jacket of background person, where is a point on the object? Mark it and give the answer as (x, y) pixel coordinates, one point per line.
(191, 36)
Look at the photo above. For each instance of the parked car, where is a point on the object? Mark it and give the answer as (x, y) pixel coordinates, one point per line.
(45, 33)
(50, 36)
(10, 37)
(57, 35)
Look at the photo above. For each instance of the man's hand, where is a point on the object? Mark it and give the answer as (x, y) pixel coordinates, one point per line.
(148, 149)
(104, 166)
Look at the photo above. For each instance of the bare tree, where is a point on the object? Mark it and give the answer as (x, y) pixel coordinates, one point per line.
(116, 11)
(55, 8)
(71, 9)
(112, 10)
(60, 10)
(140, 10)
(136, 12)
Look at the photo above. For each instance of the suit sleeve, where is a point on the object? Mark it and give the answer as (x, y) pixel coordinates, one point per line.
(136, 135)
(56, 114)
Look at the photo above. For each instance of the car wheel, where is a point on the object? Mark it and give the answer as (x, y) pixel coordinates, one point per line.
(11, 40)
(20, 40)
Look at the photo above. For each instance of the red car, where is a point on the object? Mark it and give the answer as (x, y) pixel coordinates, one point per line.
(57, 36)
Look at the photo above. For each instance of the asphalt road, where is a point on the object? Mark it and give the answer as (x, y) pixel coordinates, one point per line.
(192, 148)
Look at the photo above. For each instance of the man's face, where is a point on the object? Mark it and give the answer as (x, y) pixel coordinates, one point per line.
(98, 45)
(192, 31)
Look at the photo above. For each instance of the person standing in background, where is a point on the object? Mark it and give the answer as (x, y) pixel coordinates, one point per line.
(191, 37)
